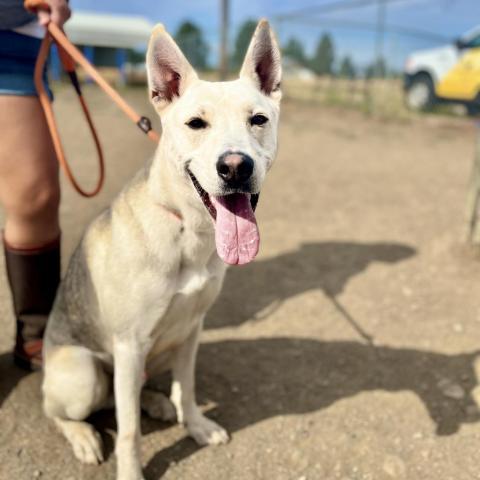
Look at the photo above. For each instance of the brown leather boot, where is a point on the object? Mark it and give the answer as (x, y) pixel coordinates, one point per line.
(33, 275)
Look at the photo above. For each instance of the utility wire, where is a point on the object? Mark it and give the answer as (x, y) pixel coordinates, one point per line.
(331, 7)
(351, 24)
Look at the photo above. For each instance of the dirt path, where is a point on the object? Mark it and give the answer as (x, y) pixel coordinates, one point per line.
(346, 351)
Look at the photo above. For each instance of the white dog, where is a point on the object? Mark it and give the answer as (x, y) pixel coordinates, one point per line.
(148, 268)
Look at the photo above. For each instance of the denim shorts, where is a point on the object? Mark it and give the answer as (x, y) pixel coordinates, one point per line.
(18, 54)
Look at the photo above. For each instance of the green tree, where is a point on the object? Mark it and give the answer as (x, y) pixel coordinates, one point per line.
(189, 38)
(347, 69)
(294, 50)
(242, 42)
(324, 56)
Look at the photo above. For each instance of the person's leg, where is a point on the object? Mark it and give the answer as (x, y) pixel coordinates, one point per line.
(30, 195)
(29, 186)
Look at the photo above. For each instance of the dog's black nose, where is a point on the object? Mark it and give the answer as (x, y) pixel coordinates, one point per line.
(235, 168)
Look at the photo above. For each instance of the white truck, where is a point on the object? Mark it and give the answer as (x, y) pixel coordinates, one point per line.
(445, 74)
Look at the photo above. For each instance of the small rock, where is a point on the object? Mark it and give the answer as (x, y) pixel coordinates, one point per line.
(451, 389)
(394, 467)
(458, 327)
(37, 474)
(407, 291)
(425, 454)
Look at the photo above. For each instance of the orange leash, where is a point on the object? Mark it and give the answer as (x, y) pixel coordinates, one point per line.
(69, 56)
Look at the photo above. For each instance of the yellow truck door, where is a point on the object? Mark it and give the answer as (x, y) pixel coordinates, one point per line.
(462, 82)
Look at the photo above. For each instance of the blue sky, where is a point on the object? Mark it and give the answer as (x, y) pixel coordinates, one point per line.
(446, 18)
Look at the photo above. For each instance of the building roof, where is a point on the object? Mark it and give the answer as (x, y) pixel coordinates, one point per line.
(107, 30)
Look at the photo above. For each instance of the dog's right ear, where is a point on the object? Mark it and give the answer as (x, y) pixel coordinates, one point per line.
(169, 72)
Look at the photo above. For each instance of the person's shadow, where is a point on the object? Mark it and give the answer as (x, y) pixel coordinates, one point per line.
(10, 376)
(253, 380)
(253, 291)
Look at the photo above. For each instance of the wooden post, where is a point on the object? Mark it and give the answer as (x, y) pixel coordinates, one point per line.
(473, 200)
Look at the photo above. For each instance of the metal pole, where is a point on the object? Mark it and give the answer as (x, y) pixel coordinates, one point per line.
(380, 41)
(223, 68)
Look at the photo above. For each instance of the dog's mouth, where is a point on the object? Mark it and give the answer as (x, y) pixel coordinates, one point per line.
(236, 232)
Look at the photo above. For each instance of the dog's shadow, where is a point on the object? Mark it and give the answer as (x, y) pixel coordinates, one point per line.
(253, 380)
(253, 291)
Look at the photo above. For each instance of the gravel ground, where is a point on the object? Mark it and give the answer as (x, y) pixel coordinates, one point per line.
(347, 350)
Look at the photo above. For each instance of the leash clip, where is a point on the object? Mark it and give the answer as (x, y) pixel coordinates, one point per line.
(144, 124)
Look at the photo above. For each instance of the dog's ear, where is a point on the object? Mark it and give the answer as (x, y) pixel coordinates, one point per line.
(169, 72)
(262, 63)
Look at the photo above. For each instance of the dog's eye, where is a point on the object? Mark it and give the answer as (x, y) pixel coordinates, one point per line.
(259, 120)
(197, 123)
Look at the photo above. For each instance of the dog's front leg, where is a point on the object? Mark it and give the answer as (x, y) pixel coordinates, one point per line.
(129, 361)
(200, 428)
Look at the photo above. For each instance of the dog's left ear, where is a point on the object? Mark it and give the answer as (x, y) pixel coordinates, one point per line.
(169, 72)
(262, 62)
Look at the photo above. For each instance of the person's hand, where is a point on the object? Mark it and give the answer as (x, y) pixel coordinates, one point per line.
(59, 13)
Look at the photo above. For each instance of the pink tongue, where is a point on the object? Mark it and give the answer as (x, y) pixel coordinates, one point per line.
(236, 231)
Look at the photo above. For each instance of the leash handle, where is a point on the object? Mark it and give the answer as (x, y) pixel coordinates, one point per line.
(33, 6)
(50, 118)
(69, 56)
(75, 54)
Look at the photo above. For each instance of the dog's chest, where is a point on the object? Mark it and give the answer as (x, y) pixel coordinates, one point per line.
(191, 282)
(196, 287)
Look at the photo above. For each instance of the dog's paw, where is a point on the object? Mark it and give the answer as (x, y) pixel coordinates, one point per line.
(128, 460)
(206, 432)
(134, 476)
(157, 406)
(86, 442)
